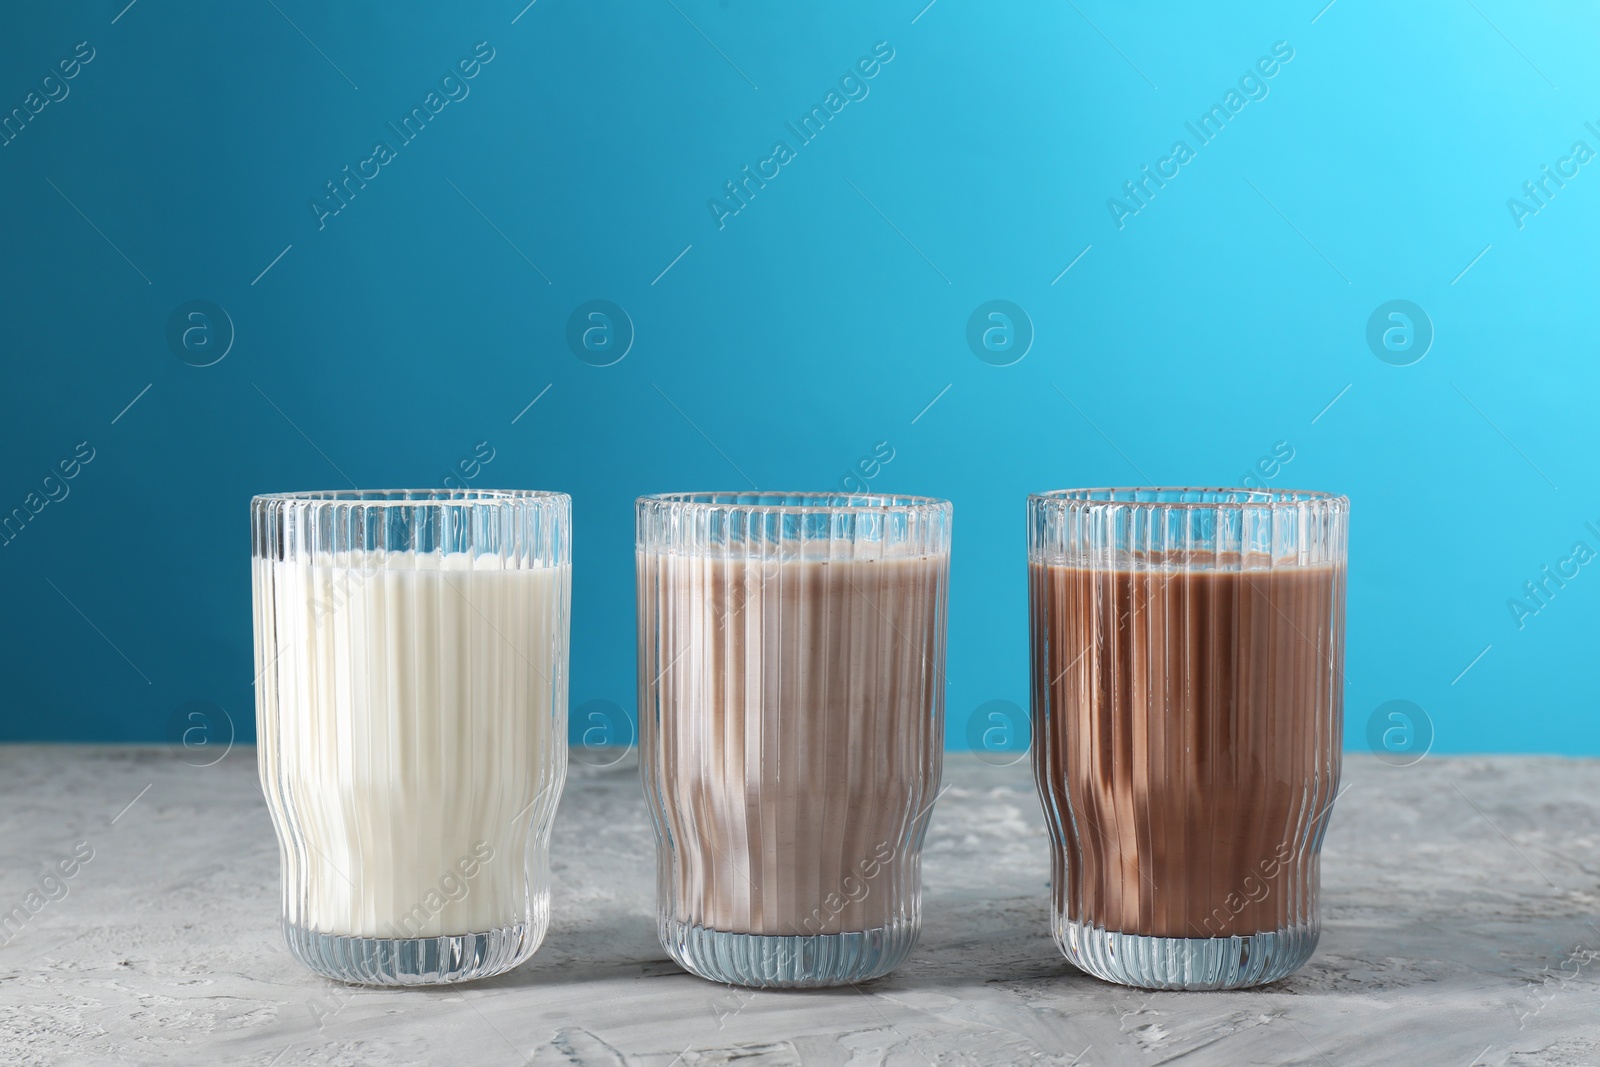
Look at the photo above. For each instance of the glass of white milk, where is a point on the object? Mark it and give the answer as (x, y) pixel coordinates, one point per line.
(411, 719)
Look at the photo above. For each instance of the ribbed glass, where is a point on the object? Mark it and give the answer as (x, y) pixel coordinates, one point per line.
(1188, 663)
(791, 696)
(411, 709)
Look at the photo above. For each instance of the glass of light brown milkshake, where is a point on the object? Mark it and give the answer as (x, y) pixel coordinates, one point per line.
(791, 679)
(1188, 658)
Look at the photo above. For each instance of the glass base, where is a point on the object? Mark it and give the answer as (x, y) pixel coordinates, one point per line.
(395, 961)
(771, 961)
(1186, 962)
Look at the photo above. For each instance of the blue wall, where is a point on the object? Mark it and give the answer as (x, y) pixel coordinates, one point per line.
(1202, 328)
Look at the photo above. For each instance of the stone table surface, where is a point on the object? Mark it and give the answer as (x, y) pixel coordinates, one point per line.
(1460, 902)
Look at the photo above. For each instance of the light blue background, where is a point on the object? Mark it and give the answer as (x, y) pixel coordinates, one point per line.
(825, 316)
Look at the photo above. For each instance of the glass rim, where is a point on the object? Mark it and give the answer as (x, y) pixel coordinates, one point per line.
(1240, 497)
(816, 502)
(410, 497)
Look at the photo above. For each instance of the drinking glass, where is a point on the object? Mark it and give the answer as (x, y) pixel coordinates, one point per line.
(791, 696)
(1187, 660)
(411, 708)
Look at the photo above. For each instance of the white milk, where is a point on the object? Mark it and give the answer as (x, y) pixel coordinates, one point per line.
(411, 728)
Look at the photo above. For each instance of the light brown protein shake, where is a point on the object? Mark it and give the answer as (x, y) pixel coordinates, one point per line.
(1191, 729)
(791, 733)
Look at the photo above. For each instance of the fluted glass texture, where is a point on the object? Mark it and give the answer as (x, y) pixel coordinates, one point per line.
(1188, 664)
(411, 708)
(791, 680)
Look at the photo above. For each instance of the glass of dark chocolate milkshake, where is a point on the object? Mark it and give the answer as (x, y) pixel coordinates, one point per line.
(791, 707)
(1187, 659)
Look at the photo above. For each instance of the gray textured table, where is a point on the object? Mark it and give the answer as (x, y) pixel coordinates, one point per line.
(1461, 904)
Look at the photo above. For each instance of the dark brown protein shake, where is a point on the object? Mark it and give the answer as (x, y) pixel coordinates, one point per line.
(792, 736)
(1188, 722)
